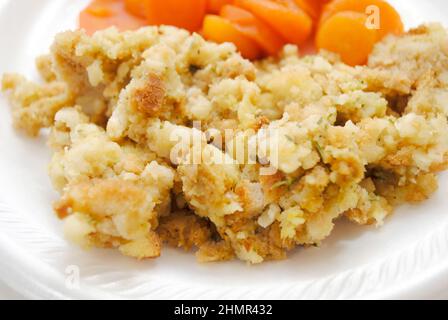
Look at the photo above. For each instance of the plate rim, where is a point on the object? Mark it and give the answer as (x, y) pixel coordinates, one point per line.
(424, 262)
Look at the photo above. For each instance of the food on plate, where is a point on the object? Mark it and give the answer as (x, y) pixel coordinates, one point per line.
(284, 16)
(254, 28)
(136, 7)
(389, 19)
(261, 28)
(187, 14)
(101, 14)
(352, 27)
(215, 6)
(345, 33)
(221, 30)
(160, 137)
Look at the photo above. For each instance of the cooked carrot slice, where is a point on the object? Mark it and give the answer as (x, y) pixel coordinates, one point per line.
(135, 7)
(346, 33)
(222, 30)
(215, 6)
(311, 7)
(308, 48)
(187, 14)
(284, 16)
(102, 14)
(254, 28)
(390, 20)
(237, 14)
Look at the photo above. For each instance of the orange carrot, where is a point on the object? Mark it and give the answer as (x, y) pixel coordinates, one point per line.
(215, 6)
(390, 21)
(284, 16)
(237, 14)
(135, 7)
(346, 33)
(102, 14)
(254, 28)
(222, 30)
(308, 48)
(187, 14)
(311, 7)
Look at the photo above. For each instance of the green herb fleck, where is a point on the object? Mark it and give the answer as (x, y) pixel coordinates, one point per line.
(319, 149)
(288, 182)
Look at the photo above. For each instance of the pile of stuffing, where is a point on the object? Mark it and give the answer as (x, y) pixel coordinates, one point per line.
(161, 137)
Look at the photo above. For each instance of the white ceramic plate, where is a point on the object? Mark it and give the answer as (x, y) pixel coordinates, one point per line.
(407, 258)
